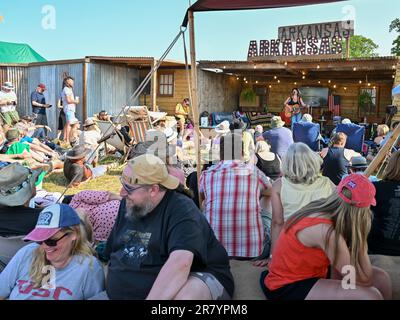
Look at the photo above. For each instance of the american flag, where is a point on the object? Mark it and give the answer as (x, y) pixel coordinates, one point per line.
(334, 104)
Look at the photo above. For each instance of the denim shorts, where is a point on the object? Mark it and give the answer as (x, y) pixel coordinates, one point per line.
(70, 115)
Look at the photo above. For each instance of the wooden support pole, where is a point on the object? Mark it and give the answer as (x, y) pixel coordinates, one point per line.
(84, 98)
(154, 88)
(348, 48)
(195, 101)
(381, 156)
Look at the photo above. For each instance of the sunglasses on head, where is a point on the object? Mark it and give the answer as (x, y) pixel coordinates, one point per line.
(53, 242)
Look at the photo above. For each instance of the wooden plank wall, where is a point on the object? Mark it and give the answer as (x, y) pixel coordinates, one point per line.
(181, 90)
(348, 102)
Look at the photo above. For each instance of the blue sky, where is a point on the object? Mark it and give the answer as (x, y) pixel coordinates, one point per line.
(145, 28)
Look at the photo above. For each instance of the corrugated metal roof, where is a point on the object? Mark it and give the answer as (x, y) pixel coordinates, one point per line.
(137, 61)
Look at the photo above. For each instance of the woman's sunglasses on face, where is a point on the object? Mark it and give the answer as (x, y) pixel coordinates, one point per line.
(53, 242)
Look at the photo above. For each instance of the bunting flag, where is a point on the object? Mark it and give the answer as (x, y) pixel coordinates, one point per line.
(334, 104)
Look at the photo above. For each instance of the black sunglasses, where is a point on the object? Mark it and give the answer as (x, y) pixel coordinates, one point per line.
(53, 242)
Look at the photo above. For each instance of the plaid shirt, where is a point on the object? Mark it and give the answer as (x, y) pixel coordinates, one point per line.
(232, 190)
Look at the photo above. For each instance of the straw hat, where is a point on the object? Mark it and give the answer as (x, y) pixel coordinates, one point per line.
(89, 122)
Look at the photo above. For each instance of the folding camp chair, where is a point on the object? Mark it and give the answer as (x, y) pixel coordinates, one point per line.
(116, 140)
(355, 135)
(9, 246)
(139, 121)
(308, 133)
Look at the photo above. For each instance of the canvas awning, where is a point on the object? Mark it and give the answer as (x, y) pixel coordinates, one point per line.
(220, 5)
(18, 53)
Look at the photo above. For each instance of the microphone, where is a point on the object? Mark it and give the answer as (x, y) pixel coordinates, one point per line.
(106, 137)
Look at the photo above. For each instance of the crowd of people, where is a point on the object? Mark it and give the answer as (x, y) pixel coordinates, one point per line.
(300, 215)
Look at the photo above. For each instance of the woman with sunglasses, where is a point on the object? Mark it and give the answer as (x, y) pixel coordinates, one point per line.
(60, 264)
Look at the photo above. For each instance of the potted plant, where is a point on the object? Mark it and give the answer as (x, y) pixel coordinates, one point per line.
(249, 98)
(365, 102)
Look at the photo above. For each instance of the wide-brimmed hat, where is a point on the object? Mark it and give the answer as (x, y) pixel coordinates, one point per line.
(358, 163)
(17, 184)
(74, 121)
(170, 134)
(223, 127)
(89, 122)
(77, 152)
(276, 122)
(8, 85)
(148, 169)
(51, 220)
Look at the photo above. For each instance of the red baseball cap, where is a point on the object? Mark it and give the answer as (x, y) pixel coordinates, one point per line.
(42, 86)
(362, 190)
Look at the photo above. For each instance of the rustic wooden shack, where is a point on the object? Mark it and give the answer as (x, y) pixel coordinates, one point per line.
(273, 81)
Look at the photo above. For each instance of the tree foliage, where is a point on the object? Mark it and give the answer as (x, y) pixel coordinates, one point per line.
(361, 47)
(395, 25)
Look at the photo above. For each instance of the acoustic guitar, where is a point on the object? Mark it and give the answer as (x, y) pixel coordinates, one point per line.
(293, 109)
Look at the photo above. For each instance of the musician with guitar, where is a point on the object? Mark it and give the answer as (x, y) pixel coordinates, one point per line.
(293, 106)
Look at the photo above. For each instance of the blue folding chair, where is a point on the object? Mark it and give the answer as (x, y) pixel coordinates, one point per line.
(308, 133)
(355, 135)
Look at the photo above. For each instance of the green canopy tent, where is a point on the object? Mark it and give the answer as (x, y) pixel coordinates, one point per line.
(18, 53)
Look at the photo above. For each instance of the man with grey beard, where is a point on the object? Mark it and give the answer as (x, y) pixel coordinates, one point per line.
(161, 246)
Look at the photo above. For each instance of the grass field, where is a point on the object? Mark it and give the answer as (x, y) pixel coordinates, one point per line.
(56, 182)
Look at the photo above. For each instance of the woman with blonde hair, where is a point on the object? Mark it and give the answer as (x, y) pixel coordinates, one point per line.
(384, 237)
(330, 232)
(60, 264)
(382, 130)
(301, 184)
(268, 162)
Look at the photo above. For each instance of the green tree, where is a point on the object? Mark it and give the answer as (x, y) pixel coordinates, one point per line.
(395, 25)
(361, 47)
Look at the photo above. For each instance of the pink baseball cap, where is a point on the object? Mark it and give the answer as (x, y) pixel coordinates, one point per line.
(51, 220)
(42, 86)
(362, 190)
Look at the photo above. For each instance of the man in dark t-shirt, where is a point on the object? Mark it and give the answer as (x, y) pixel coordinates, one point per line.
(161, 246)
(39, 107)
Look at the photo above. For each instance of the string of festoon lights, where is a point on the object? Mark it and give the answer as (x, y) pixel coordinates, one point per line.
(275, 80)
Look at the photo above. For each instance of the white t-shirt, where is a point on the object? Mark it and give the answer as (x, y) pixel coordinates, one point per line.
(11, 96)
(89, 139)
(68, 92)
